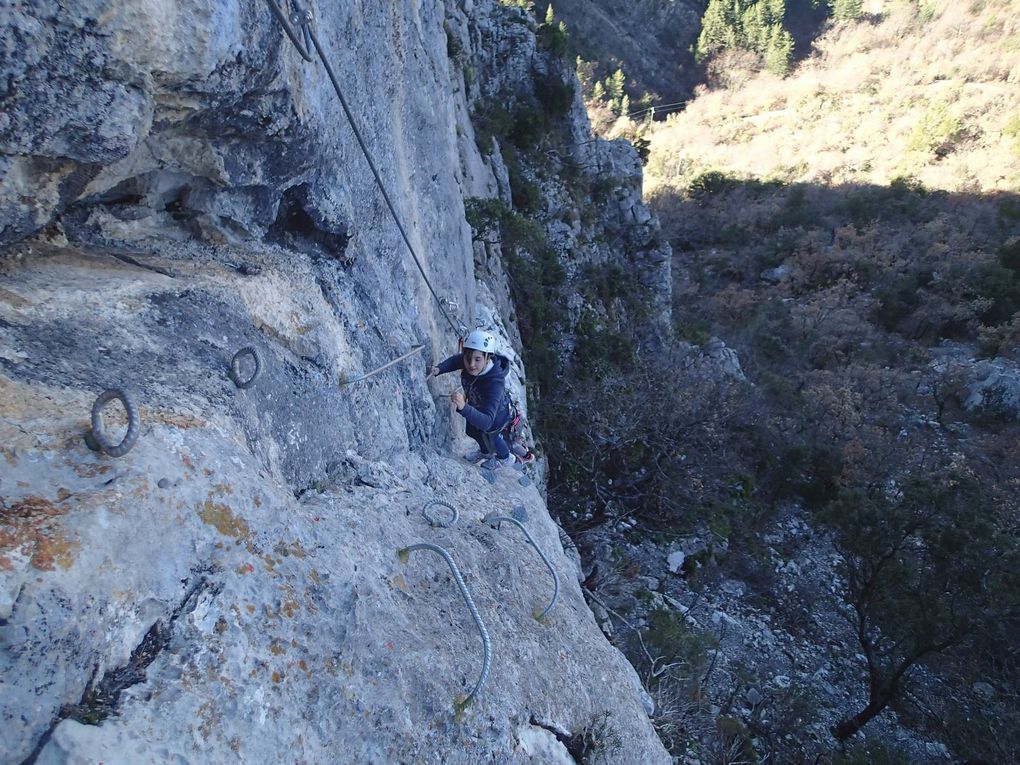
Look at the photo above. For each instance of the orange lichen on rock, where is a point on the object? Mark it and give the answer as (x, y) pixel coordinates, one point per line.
(32, 530)
(223, 519)
(166, 417)
(89, 469)
(289, 608)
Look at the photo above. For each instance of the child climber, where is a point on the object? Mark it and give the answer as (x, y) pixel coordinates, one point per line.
(485, 403)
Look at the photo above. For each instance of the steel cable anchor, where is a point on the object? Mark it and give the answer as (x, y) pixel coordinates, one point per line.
(298, 17)
(494, 520)
(403, 555)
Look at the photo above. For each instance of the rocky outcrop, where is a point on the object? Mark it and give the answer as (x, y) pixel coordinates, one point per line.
(177, 184)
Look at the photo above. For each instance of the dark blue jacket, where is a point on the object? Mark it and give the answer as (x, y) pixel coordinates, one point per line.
(488, 404)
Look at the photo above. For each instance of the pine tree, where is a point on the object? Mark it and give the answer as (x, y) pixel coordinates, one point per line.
(598, 93)
(549, 14)
(753, 28)
(847, 10)
(615, 85)
(779, 53)
(716, 29)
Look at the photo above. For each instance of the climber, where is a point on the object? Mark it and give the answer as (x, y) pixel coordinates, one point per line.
(485, 403)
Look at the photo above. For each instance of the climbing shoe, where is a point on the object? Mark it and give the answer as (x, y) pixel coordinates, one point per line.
(495, 463)
(477, 455)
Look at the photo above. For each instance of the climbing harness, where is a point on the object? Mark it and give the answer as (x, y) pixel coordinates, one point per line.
(513, 434)
(303, 18)
(377, 370)
(97, 440)
(235, 367)
(404, 554)
(494, 520)
(436, 522)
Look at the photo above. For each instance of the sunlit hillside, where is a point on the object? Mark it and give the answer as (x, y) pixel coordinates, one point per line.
(928, 91)
(851, 233)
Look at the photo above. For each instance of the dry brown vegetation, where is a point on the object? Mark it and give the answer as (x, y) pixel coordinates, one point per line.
(923, 90)
(853, 231)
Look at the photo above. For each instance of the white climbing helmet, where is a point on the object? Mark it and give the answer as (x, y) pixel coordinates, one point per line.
(480, 340)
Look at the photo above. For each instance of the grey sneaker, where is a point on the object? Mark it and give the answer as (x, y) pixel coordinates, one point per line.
(477, 455)
(495, 463)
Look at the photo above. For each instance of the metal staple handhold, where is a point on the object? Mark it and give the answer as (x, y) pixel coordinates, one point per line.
(377, 370)
(235, 367)
(494, 520)
(486, 646)
(433, 521)
(98, 440)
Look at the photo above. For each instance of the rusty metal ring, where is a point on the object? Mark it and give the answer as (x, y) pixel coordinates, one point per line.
(235, 367)
(98, 434)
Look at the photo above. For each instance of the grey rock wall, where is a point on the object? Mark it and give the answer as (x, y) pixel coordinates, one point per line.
(175, 183)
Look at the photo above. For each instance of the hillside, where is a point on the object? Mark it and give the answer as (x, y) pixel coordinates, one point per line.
(852, 234)
(651, 39)
(928, 93)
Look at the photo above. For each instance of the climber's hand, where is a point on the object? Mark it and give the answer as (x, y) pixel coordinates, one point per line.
(458, 400)
(431, 372)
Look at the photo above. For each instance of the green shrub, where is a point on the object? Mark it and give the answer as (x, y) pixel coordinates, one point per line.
(937, 132)
(530, 125)
(525, 195)
(554, 38)
(536, 275)
(999, 285)
(1012, 130)
(903, 198)
(554, 95)
(896, 302)
(712, 182)
(736, 740)
(1009, 256)
(668, 636)
(599, 350)
(811, 473)
(691, 332)
(491, 121)
(872, 751)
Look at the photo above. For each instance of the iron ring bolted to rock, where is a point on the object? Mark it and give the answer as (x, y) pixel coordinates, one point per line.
(403, 555)
(235, 367)
(435, 522)
(96, 438)
(494, 519)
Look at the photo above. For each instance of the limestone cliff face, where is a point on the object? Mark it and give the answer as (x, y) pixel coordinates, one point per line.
(175, 184)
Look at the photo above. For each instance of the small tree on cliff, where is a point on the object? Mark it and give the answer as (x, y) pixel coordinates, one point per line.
(926, 571)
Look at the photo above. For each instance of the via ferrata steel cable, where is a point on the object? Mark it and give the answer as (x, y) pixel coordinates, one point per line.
(494, 519)
(304, 19)
(403, 554)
